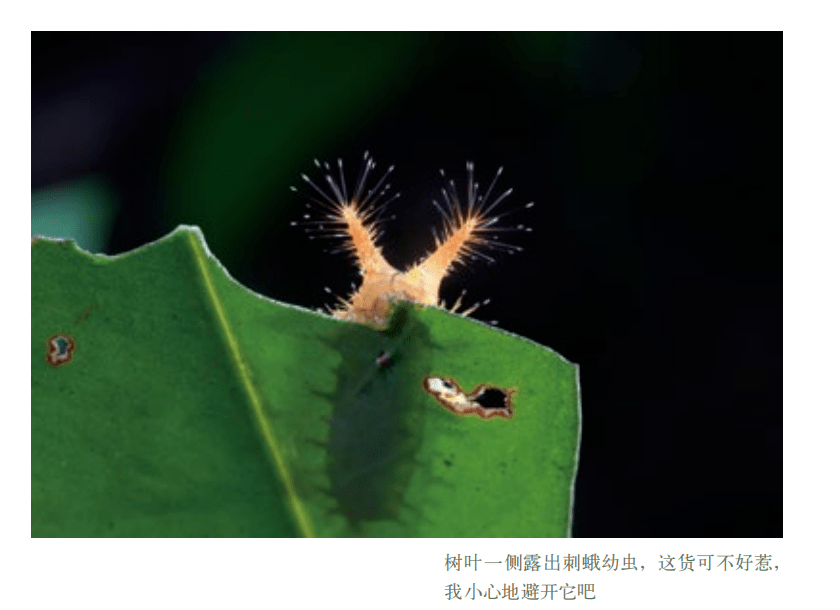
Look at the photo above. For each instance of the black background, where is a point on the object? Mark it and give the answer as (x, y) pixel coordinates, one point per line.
(655, 162)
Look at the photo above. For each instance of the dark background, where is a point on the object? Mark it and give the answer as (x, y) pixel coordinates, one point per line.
(655, 262)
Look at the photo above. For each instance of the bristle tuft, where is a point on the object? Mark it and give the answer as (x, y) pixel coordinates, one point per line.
(471, 231)
(469, 228)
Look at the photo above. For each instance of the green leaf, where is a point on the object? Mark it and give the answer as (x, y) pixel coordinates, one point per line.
(180, 403)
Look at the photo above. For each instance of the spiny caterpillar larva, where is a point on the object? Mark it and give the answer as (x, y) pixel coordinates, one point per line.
(355, 219)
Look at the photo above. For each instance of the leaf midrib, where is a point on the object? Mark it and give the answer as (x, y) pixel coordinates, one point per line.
(281, 467)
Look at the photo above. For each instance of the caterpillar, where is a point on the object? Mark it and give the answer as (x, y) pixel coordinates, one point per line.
(378, 407)
(470, 230)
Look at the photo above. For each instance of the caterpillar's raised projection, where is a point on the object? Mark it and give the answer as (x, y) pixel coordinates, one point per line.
(471, 228)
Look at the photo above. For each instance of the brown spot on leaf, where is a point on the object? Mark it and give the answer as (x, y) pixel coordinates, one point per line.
(485, 400)
(83, 317)
(60, 349)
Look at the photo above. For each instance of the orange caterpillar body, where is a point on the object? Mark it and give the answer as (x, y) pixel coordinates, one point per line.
(355, 219)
